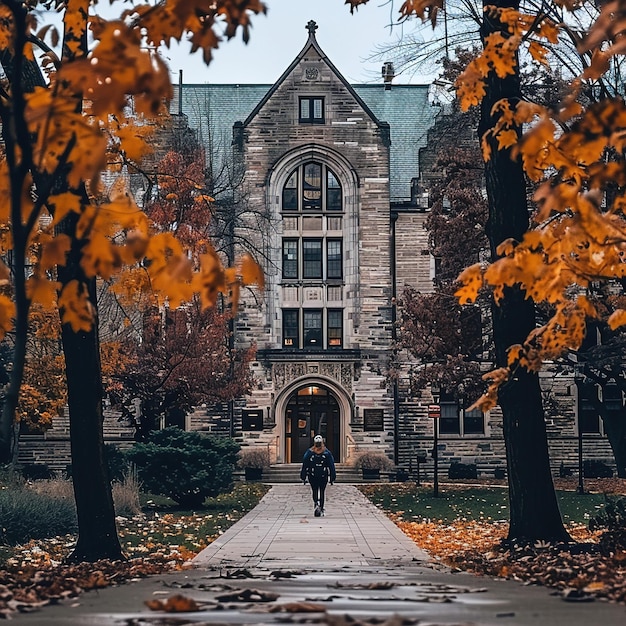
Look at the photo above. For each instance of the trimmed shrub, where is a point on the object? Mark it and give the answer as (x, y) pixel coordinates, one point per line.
(37, 471)
(612, 518)
(185, 466)
(462, 470)
(27, 514)
(596, 469)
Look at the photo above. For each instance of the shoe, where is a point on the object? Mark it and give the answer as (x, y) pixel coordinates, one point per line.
(323, 513)
(317, 511)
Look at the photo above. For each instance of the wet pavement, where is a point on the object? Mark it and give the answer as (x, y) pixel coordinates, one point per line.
(280, 564)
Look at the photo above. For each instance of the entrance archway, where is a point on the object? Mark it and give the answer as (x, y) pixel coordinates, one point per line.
(311, 410)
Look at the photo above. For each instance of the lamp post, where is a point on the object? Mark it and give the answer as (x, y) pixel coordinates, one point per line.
(434, 412)
(579, 379)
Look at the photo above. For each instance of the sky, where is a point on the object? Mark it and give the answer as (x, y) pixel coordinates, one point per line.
(277, 37)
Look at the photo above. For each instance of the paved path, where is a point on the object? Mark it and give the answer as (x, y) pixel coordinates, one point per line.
(282, 532)
(351, 567)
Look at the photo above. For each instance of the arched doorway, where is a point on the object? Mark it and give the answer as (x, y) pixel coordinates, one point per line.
(311, 410)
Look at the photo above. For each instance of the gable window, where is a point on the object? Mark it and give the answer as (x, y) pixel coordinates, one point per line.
(311, 187)
(311, 110)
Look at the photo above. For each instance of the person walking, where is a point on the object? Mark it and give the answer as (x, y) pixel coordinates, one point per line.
(318, 467)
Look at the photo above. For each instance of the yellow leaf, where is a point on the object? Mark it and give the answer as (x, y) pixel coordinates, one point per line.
(251, 272)
(76, 309)
(40, 289)
(62, 204)
(7, 313)
(617, 319)
(53, 251)
(471, 279)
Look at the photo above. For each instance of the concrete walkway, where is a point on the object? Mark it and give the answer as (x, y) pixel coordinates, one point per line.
(282, 532)
(280, 564)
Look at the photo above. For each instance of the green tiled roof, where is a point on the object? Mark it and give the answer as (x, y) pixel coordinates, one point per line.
(213, 109)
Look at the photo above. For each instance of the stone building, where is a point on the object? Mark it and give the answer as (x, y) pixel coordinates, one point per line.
(335, 207)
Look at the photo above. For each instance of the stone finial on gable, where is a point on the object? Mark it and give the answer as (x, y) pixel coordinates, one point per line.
(311, 27)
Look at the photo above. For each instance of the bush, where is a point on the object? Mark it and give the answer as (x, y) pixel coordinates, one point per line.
(596, 469)
(117, 461)
(612, 518)
(185, 466)
(37, 471)
(126, 494)
(373, 460)
(462, 470)
(256, 457)
(28, 514)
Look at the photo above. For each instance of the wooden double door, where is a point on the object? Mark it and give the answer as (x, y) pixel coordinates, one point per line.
(311, 410)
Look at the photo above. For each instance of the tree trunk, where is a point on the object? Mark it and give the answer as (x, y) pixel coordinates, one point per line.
(97, 533)
(534, 511)
(615, 429)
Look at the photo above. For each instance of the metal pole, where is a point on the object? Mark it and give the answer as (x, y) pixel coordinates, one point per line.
(436, 460)
(581, 484)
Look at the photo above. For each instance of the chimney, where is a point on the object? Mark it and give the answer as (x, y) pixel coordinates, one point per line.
(388, 74)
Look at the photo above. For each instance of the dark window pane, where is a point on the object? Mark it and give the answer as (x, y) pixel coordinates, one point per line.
(291, 328)
(588, 413)
(473, 422)
(335, 328)
(313, 329)
(334, 260)
(449, 423)
(290, 193)
(333, 192)
(290, 258)
(612, 397)
(312, 186)
(312, 258)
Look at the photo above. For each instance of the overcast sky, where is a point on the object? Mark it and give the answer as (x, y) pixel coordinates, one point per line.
(276, 38)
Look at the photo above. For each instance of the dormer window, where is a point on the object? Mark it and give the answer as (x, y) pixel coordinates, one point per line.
(311, 110)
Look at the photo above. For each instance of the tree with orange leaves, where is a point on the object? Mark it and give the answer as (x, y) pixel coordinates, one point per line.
(62, 117)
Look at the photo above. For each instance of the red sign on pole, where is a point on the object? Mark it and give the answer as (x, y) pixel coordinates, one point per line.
(434, 411)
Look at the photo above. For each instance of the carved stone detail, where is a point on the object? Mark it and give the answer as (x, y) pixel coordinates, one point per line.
(311, 73)
(285, 373)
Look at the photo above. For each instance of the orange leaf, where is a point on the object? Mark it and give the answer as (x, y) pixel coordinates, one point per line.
(174, 604)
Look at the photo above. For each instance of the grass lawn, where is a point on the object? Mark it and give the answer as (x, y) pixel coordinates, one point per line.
(417, 504)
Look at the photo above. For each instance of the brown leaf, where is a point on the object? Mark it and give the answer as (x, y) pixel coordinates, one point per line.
(174, 604)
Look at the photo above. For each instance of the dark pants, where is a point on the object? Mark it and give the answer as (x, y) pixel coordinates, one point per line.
(318, 489)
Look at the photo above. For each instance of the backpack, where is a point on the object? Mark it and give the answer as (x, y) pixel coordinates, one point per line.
(317, 467)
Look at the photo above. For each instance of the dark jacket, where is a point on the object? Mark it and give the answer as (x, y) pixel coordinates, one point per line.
(326, 466)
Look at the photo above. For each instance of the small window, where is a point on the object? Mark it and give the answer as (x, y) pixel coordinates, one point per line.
(312, 258)
(588, 405)
(311, 110)
(290, 258)
(473, 422)
(334, 262)
(449, 422)
(335, 328)
(312, 328)
(291, 328)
